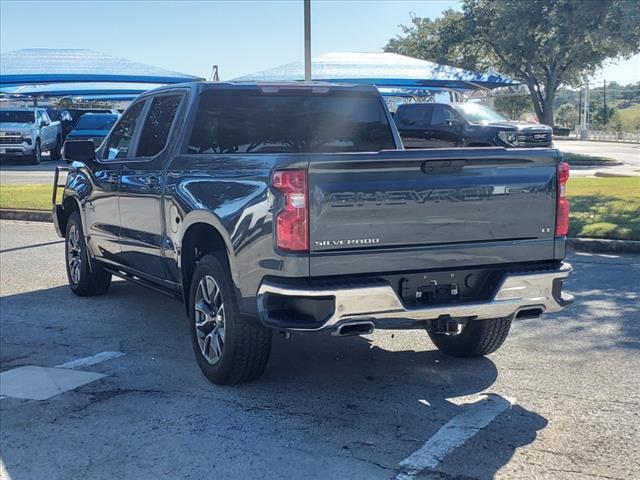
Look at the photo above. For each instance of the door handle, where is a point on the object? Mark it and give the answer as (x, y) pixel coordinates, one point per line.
(112, 179)
(443, 166)
(152, 181)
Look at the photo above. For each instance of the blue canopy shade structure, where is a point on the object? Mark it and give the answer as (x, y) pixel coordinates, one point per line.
(383, 70)
(44, 65)
(130, 90)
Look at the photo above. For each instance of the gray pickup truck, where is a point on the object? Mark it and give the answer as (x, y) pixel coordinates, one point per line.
(27, 132)
(293, 207)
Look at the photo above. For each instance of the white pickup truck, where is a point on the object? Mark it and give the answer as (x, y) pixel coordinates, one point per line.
(27, 132)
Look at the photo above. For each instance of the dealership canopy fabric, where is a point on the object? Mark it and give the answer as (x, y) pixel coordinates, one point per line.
(382, 70)
(44, 65)
(128, 90)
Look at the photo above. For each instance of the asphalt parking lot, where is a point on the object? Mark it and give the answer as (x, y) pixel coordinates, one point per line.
(17, 172)
(356, 407)
(627, 153)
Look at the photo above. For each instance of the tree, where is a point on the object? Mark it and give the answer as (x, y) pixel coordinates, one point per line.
(598, 113)
(443, 40)
(567, 115)
(543, 43)
(513, 106)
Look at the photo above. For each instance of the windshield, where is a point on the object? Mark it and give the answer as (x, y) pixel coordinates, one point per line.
(16, 116)
(476, 113)
(96, 122)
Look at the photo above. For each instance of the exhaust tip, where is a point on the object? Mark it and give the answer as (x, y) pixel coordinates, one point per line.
(355, 328)
(529, 313)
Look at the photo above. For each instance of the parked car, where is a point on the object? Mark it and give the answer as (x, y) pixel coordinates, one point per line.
(65, 119)
(442, 125)
(76, 113)
(27, 132)
(294, 208)
(93, 127)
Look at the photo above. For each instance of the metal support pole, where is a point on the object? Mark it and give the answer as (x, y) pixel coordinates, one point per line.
(604, 99)
(307, 40)
(584, 120)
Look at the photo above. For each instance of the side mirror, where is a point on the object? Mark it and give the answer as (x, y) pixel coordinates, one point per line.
(79, 150)
(453, 122)
(43, 123)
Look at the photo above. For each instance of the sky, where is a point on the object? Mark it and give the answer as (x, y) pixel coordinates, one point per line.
(241, 37)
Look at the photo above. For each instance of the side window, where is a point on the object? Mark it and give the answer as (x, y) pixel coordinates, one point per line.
(414, 115)
(120, 140)
(442, 113)
(158, 125)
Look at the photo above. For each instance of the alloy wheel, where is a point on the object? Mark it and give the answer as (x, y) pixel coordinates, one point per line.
(74, 254)
(209, 318)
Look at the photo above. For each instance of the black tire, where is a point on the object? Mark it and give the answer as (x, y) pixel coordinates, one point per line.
(54, 153)
(86, 278)
(246, 344)
(478, 337)
(37, 154)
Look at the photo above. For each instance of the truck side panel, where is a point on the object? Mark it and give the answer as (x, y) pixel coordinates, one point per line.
(232, 194)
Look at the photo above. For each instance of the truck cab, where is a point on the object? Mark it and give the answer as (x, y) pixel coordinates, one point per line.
(443, 125)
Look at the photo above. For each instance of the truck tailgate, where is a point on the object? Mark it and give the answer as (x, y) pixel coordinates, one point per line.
(395, 200)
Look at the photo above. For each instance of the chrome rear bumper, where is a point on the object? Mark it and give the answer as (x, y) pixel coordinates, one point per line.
(518, 291)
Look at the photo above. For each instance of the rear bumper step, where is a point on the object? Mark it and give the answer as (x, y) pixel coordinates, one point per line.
(522, 295)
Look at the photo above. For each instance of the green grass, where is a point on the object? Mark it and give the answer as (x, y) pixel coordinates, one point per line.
(579, 159)
(32, 197)
(600, 207)
(605, 208)
(630, 117)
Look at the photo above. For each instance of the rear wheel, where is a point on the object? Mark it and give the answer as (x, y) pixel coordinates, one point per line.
(478, 337)
(86, 277)
(230, 348)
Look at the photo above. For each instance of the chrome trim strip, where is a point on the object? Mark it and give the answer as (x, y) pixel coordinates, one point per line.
(517, 291)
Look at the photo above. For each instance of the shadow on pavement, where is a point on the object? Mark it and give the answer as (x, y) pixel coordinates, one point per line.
(606, 308)
(350, 406)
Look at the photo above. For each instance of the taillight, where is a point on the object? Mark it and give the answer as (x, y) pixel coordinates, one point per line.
(562, 205)
(292, 225)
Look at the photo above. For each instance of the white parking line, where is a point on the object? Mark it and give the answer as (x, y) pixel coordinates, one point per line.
(455, 432)
(92, 360)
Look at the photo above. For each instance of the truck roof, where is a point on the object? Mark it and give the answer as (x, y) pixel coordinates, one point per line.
(201, 86)
(23, 109)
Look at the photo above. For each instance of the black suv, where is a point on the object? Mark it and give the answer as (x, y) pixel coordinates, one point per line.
(442, 125)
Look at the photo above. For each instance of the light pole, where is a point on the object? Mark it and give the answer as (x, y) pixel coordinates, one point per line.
(584, 133)
(307, 40)
(604, 100)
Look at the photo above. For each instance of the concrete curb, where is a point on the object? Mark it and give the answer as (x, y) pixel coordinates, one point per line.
(601, 245)
(26, 215)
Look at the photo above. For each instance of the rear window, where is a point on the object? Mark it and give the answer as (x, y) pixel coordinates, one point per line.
(96, 122)
(290, 122)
